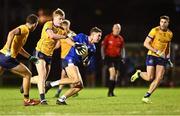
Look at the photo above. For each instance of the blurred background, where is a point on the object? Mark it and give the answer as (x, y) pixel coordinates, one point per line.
(136, 17)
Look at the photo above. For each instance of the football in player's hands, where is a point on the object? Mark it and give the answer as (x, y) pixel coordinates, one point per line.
(81, 49)
(70, 34)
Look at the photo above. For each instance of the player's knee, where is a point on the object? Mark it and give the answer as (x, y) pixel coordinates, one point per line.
(75, 81)
(79, 86)
(158, 78)
(151, 77)
(27, 74)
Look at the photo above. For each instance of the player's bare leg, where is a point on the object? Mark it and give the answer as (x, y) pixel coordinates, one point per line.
(63, 75)
(34, 79)
(74, 75)
(22, 70)
(42, 73)
(160, 70)
(159, 76)
(74, 90)
(147, 76)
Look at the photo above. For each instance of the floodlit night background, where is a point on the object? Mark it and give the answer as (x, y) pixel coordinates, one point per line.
(136, 17)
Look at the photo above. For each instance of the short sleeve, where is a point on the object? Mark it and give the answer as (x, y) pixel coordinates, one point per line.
(122, 40)
(171, 35)
(47, 25)
(23, 29)
(152, 33)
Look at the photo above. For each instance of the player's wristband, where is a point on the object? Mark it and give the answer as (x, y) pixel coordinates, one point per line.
(33, 59)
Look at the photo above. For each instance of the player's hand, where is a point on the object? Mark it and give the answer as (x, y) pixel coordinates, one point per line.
(33, 59)
(161, 54)
(170, 63)
(70, 34)
(8, 53)
(81, 49)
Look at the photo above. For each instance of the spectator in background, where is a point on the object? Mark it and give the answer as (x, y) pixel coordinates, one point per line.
(113, 52)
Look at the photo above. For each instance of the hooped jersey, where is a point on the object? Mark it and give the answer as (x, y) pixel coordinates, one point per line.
(18, 41)
(46, 45)
(160, 40)
(69, 53)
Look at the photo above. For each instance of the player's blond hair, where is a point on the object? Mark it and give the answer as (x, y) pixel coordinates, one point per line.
(66, 22)
(59, 11)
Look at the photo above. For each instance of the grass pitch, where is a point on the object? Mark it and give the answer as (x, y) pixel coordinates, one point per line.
(166, 101)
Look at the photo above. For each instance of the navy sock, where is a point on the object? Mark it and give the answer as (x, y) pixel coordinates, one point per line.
(139, 74)
(147, 95)
(42, 96)
(58, 91)
(26, 96)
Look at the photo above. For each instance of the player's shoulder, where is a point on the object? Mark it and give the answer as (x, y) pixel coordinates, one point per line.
(23, 28)
(108, 35)
(48, 23)
(169, 31)
(81, 35)
(156, 28)
(121, 38)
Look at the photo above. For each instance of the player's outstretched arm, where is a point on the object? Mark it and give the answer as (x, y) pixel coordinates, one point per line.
(24, 53)
(52, 35)
(10, 37)
(148, 45)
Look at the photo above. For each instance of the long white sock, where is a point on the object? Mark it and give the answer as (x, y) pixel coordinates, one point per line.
(55, 83)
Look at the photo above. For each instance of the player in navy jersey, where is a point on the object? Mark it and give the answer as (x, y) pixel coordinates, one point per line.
(73, 55)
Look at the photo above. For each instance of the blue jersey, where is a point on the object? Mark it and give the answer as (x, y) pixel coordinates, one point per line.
(72, 56)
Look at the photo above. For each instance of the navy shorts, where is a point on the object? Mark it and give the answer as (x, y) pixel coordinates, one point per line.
(153, 61)
(40, 55)
(8, 62)
(65, 62)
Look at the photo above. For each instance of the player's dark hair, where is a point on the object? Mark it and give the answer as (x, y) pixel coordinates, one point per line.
(165, 17)
(58, 11)
(32, 18)
(95, 29)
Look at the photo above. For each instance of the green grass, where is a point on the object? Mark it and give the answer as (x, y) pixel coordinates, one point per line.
(95, 102)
